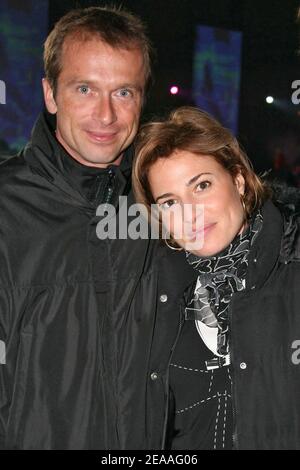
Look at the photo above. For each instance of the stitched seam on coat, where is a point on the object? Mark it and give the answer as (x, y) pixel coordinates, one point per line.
(217, 421)
(225, 417)
(189, 369)
(211, 381)
(201, 402)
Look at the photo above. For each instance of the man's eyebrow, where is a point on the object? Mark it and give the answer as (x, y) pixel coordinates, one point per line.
(79, 81)
(192, 180)
(134, 86)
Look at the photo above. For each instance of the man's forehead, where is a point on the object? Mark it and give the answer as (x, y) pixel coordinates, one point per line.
(90, 52)
(76, 40)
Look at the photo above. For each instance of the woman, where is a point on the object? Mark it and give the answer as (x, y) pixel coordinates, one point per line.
(234, 372)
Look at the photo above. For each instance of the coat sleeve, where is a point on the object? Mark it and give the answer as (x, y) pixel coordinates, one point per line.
(4, 331)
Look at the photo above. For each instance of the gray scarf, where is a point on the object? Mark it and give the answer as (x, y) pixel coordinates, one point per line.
(219, 277)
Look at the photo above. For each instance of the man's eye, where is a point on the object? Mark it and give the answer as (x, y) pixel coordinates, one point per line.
(84, 89)
(124, 93)
(203, 185)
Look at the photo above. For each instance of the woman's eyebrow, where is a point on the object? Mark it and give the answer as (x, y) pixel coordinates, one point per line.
(191, 181)
(163, 196)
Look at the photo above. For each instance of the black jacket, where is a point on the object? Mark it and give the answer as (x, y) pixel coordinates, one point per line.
(88, 324)
(265, 338)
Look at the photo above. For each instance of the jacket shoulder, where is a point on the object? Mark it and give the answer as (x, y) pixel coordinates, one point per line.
(290, 243)
(287, 200)
(11, 167)
(288, 197)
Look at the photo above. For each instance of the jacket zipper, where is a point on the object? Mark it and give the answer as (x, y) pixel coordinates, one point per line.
(234, 434)
(181, 322)
(110, 187)
(105, 185)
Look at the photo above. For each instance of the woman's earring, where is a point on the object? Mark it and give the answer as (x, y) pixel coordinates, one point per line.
(170, 246)
(243, 204)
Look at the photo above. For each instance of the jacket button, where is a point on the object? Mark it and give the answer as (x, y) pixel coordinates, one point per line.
(163, 298)
(154, 376)
(243, 365)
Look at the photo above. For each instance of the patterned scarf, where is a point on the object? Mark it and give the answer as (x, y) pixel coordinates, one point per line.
(219, 277)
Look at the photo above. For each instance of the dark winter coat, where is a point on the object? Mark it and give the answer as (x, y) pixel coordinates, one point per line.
(265, 338)
(87, 324)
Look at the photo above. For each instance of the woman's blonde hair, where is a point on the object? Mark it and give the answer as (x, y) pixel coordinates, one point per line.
(193, 130)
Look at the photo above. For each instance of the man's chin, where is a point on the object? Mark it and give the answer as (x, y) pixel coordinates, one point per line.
(101, 161)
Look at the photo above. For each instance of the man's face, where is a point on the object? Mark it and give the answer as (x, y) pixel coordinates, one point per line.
(98, 100)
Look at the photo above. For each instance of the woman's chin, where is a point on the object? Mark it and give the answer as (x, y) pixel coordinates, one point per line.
(195, 248)
(204, 251)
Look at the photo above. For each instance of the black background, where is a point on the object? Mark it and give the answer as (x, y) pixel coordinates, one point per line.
(270, 61)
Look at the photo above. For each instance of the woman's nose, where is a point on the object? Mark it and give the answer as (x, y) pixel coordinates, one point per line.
(192, 209)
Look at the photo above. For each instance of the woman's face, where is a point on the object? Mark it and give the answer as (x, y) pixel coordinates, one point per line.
(199, 201)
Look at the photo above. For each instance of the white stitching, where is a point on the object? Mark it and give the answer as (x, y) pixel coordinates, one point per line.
(228, 370)
(211, 381)
(200, 402)
(225, 415)
(192, 370)
(196, 404)
(217, 420)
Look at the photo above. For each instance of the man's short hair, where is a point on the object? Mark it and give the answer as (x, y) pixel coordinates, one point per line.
(114, 26)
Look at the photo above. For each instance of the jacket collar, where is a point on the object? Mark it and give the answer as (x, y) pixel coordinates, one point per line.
(265, 252)
(47, 158)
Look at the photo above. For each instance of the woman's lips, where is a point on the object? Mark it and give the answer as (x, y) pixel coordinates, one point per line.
(201, 232)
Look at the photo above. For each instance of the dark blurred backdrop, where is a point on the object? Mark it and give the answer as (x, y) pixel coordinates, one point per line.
(270, 63)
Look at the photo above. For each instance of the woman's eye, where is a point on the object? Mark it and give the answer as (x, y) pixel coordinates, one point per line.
(203, 185)
(167, 204)
(84, 89)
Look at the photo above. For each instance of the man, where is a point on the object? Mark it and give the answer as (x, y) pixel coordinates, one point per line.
(83, 320)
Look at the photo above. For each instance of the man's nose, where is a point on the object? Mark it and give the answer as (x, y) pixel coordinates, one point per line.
(104, 111)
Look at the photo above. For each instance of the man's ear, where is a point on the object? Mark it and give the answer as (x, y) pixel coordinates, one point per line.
(240, 183)
(48, 97)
